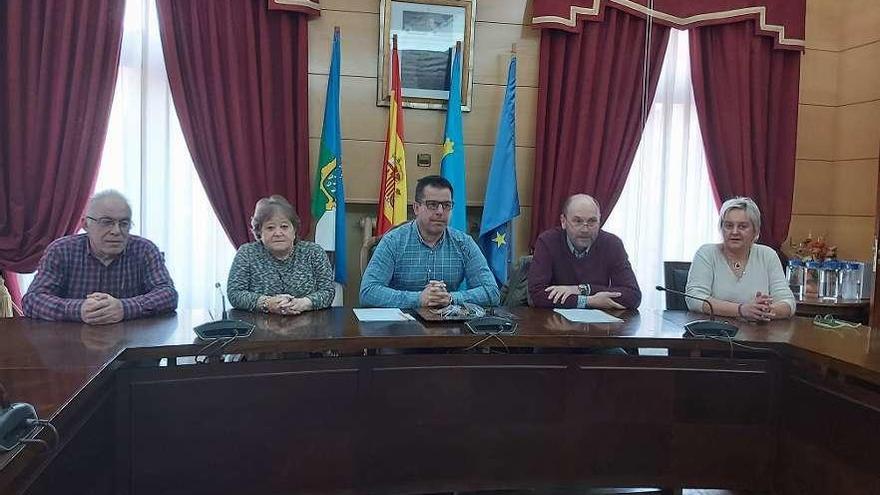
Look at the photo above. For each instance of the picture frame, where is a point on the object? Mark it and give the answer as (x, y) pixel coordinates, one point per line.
(427, 31)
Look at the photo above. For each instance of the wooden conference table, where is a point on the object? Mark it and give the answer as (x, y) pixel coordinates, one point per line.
(326, 404)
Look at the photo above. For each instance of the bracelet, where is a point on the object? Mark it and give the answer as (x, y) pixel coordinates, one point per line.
(263, 304)
(739, 310)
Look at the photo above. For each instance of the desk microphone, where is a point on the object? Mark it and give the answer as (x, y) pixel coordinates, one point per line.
(704, 328)
(225, 327)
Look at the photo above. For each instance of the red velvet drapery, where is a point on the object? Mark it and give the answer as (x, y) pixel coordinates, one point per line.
(746, 94)
(592, 100)
(745, 62)
(239, 80)
(58, 64)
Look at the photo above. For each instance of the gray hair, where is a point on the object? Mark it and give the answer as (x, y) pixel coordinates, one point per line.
(571, 199)
(742, 203)
(107, 194)
(266, 208)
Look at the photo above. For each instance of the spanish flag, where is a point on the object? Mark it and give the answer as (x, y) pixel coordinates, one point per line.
(392, 189)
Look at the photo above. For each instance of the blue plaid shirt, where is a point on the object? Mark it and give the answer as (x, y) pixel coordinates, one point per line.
(403, 264)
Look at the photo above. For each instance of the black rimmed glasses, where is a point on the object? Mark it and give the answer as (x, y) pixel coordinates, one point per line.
(436, 205)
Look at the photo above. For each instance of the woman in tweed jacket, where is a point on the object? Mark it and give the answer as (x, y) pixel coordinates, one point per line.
(279, 273)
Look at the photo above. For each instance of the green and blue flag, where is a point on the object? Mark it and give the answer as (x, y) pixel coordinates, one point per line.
(328, 201)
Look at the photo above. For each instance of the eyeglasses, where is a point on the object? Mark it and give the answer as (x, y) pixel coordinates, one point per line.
(108, 223)
(578, 223)
(435, 205)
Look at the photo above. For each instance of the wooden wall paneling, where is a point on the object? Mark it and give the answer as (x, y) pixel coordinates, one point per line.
(858, 131)
(860, 73)
(860, 23)
(819, 77)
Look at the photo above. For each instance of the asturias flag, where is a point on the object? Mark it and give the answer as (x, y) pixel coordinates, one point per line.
(452, 163)
(502, 200)
(328, 202)
(392, 189)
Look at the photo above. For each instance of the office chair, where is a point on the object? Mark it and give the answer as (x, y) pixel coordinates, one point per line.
(675, 276)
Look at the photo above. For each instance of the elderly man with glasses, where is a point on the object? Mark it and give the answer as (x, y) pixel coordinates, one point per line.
(425, 263)
(103, 276)
(578, 265)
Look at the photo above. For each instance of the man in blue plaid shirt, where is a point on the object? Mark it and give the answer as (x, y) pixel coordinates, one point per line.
(423, 263)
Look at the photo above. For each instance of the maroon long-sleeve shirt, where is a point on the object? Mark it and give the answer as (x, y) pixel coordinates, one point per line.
(605, 267)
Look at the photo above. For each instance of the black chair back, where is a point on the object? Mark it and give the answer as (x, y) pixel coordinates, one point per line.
(675, 276)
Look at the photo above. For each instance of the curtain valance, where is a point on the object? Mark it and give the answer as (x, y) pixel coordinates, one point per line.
(783, 20)
(310, 7)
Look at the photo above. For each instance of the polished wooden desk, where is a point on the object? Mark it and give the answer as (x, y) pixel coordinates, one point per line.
(789, 407)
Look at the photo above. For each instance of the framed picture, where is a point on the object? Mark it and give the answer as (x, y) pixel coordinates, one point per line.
(427, 31)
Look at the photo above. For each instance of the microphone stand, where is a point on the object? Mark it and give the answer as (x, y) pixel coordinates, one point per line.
(224, 327)
(705, 328)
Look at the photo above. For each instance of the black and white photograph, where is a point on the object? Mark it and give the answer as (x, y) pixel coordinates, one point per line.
(427, 32)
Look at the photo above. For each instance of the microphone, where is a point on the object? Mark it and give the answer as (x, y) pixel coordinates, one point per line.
(222, 300)
(225, 327)
(704, 328)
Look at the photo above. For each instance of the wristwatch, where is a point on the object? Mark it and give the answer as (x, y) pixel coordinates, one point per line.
(584, 289)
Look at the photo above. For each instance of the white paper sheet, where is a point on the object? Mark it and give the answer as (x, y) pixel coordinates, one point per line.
(587, 316)
(381, 314)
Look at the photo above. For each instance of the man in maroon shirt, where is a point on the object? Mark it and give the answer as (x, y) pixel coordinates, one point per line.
(577, 265)
(103, 276)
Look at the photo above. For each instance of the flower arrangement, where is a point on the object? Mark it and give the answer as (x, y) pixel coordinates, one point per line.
(814, 249)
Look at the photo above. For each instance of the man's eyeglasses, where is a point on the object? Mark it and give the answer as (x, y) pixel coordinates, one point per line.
(435, 205)
(579, 223)
(108, 223)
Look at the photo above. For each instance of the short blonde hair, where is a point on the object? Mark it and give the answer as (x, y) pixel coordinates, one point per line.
(742, 203)
(266, 208)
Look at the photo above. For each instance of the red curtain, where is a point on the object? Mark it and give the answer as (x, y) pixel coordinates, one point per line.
(746, 94)
(239, 80)
(591, 103)
(58, 64)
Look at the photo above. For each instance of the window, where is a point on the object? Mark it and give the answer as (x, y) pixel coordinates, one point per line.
(146, 158)
(667, 210)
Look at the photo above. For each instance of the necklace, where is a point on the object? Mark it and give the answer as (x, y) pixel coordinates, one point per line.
(736, 266)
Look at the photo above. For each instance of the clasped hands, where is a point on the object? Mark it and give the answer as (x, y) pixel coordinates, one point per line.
(760, 309)
(601, 300)
(101, 309)
(435, 295)
(285, 304)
